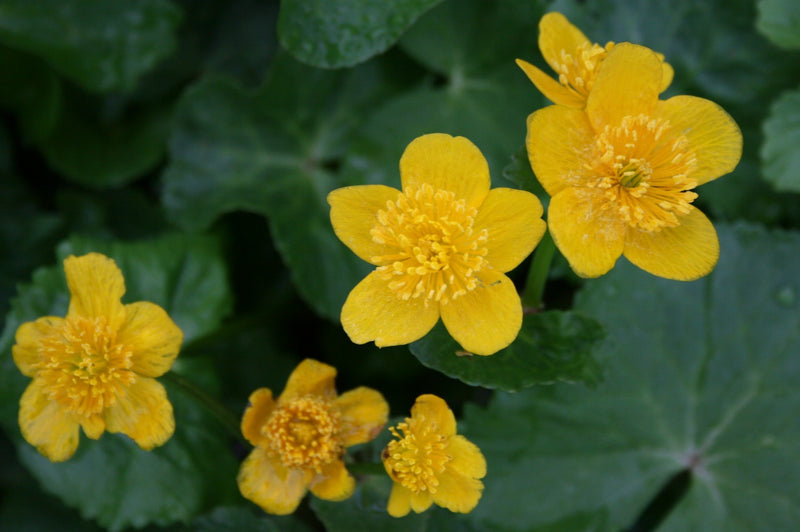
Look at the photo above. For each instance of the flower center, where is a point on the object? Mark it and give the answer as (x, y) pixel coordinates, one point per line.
(303, 433)
(579, 71)
(644, 173)
(416, 458)
(82, 366)
(438, 251)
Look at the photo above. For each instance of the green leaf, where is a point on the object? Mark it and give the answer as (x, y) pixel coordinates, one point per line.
(779, 152)
(238, 519)
(112, 479)
(703, 378)
(779, 21)
(346, 32)
(103, 46)
(33, 93)
(552, 346)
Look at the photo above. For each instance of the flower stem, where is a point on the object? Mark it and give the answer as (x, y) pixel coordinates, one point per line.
(211, 404)
(537, 274)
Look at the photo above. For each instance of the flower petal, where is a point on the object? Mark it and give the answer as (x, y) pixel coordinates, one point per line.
(513, 219)
(266, 482)
(259, 407)
(421, 501)
(488, 318)
(686, 252)
(628, 84)
(432, 411)
(552, 89)
(667, 73)
(590, 241)
(354, 212)
(467, 458)
(456, 492)
(29, 340)
(311, 377)
(373, 311)
(399, 501)
(559, 143)
(153, 336)
(558, 35)
(96, 287)
(45, 425)
(143, 413)
(713, 135)
(334, 483)
(93, 426)
(447, 163)
(364, 412)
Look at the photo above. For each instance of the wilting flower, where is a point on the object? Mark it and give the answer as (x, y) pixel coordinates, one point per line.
(300, 439)
(441, 247)
(95, 368)
(575, 59)
(429, 463)
(621, 173)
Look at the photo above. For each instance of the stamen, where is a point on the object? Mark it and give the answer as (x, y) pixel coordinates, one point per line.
(416, 457)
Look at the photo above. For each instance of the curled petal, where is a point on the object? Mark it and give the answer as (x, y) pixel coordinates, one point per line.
(266, 482)
(432, 411)
(399, 501)
(552, 89)
(334, 483)
(364, 412)
(29, 338)
(259, 407)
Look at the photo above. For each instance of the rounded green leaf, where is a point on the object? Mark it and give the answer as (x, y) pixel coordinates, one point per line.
(779, 153)
(779, 21)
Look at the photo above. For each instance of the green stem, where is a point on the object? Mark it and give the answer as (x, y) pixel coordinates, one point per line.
(537, 275)
(214, 407)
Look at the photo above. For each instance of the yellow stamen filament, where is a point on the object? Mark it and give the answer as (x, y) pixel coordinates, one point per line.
(83, 367)
(438, 252)
(578, 72)
(644, 172)
(416, 458)
(303, 433)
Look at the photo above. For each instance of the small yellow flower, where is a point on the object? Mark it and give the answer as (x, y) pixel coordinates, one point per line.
(575, 59)
(441, 247)
(300, 439)
(621, 173)
(95, 368)
(429, 463)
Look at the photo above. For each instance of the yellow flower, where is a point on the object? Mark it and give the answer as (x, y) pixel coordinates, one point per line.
(430, 463)
(300, 438)
(441, 247)
(575, 59)
(621, 173)
(95, 368)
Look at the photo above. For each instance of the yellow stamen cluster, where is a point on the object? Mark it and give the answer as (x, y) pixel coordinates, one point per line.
(303, 432)
(438, 251)
(82, 366)
(416, 458)
(579, 71)
(645, 172)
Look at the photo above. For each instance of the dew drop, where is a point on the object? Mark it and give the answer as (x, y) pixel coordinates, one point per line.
(786, 296)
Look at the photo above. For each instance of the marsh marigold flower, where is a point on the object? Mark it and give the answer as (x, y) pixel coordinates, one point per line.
(441, 247)
(575, 59)
(300, 439)
(622, 173)
(429, 463)
(95, 368)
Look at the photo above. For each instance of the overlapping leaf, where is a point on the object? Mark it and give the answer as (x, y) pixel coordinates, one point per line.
(779, 153)
(779, 20)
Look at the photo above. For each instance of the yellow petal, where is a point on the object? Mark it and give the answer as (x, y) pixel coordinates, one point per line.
(558, 142)
(446, 163)
(153, 337)
(96, 287)
(514, 221)
(552, 89)
(628, 84)
(558, 35)
(259, 407)
(269, 484)
(399, 501)
(667, 73)
(374, 312)
(334, 483)
(364, 412)
(686, 252)
(354, 213)
(467, 458)
(420, 501)
(143, 413)
(713, 135)
(93, 426)
(45, 425)
(311, 377)
(456, 492)
(589, 240)
(432, 411)
(488, 318)
(29, 340)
